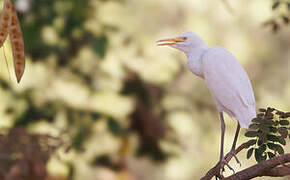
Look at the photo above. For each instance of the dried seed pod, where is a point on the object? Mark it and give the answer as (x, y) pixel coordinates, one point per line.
(5, 21)
(17, 43)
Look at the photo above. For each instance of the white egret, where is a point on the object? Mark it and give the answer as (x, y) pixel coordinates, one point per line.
(225, 78)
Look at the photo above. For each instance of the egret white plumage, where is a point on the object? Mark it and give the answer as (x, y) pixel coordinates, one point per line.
(225, 78)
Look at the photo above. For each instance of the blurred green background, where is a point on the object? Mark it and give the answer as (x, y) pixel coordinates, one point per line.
(125, 108)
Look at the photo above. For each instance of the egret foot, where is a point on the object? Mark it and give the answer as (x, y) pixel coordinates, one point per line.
(224, 162)
(232, 153)
(220, 168)
(218, 171)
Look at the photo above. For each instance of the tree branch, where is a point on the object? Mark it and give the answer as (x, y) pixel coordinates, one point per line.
(266, 168)
(279, 171)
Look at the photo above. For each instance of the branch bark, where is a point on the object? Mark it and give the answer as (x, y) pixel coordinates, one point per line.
(279, 171)
(265, 168)
(274, 167)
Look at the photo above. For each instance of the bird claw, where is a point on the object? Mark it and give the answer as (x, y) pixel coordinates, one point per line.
(223, 161)
(237, 160)
(221, 165)
(232, 152)
(219, 176)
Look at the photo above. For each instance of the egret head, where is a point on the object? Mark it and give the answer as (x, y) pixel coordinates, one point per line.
(185, 42)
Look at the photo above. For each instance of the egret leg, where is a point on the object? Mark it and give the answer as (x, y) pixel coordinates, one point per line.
(236, 136)
(234, 144)
(223, 128)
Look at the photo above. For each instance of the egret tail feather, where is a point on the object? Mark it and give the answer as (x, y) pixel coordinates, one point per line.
(245, 116)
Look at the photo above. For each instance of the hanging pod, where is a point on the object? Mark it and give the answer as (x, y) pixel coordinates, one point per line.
(9, 24)
(17, 44)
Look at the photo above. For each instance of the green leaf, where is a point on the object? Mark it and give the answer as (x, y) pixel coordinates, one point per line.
(269, 115)
(262, 138)
(271, 146)
(251, 143)
(99, 45)
(251, 133)
(279, 149)
(273, 130)
(257, 120)
(268, 122)
(258, 155)
(264, 128)
(284, 122)
(260, 115)
(269, 109)
(271, 155)
(80, 137)
(279, 112)
(272, 138)
(276, 147)
(283, 131)
(262, 148)
(260, 142)
(282, 140)
(254, 126)
(114, 127)
(275, 5)
(250, 152)
(284, 115)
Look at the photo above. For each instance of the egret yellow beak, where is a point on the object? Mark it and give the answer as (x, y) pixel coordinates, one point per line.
(172, 41)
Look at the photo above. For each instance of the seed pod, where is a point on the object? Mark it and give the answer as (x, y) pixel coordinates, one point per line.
(5, 21)
(17, 44)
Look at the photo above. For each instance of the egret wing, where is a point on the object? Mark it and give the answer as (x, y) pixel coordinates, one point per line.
(226, 79)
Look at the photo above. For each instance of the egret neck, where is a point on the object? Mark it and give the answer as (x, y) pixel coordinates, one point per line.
(194, 60)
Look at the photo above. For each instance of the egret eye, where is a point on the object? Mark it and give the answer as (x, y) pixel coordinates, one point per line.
(184, 38)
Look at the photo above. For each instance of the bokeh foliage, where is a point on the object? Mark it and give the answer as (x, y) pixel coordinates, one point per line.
(24, 155)
(281, 13)
(64, 22)
(127, 107)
